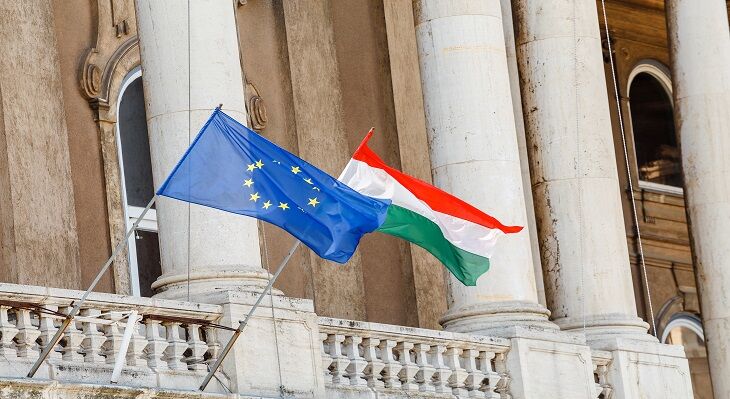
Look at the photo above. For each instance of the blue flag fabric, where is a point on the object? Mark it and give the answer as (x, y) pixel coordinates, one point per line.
(234, 169)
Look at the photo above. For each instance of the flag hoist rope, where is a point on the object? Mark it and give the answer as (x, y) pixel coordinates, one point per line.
(628, 171)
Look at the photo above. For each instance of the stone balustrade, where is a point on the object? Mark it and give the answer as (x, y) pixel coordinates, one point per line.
(174, 342)
(170, 346)
(361, 359)
(601, 360)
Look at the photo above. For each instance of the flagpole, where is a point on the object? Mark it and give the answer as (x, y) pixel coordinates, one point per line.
(75, 310)
(242, 324)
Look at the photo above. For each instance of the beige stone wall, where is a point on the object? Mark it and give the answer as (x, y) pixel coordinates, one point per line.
(372, 58)
(323, 70)
(37, 214)
(75, 22)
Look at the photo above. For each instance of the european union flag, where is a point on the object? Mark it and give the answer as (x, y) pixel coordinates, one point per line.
(232, 168)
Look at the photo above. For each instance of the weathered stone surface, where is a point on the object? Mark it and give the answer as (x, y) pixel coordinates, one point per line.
(321, 138)
(37, 215)
(429, 283)
(575, 183)
(190, 235)
(700, 53)
(474, 152)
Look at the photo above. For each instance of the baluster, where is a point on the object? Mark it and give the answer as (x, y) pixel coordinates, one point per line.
(409, 368)
(176, 347)
(603, 388)
(484, 362)
(27, 335)
(339, 361)
(392, 366)
(424, 376)
(458, 374)
(475, 377)
(197, 348)
(48, 330)
(71, 341)
(113, 337)
(156, 345)
(357, 363)
(8, 332)
(137, 344)
(441, 375)
(500, 366)
(326, 358)
(91, 345)
(375, 366)
(214, 347)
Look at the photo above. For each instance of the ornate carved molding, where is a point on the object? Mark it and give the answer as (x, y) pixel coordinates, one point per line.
(255, 107)
(116, 37)
(113, 54)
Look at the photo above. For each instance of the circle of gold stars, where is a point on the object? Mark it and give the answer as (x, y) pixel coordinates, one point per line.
(248, 183)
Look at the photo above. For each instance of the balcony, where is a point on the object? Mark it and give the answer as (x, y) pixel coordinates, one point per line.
(173, 343)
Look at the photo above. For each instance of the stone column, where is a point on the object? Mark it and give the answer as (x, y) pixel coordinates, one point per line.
(573, 167)
(514, 84)
(474, 153)
(222, 250)
(700, 54)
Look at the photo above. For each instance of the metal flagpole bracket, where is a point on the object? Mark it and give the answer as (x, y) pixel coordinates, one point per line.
(77, 304)
(242, 324)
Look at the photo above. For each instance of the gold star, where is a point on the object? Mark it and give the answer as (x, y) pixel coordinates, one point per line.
(259, 164)
(251, 167)
(267, 204)
(313, 202)
(248, 182)
(283, 205)
(316, 188)
(308, 180)
(254, 197)
(295, 169)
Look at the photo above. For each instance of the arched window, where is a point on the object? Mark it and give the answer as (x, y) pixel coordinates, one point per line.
(652, 120)
(685, 329)
(137, 185)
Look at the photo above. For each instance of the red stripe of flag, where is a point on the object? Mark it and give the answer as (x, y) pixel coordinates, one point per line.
(434, 197)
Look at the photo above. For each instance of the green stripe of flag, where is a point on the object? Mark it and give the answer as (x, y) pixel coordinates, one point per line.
(411, 226)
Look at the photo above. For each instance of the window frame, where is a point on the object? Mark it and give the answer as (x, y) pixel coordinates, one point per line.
(683, 319)
(661, 73)
(131, 213)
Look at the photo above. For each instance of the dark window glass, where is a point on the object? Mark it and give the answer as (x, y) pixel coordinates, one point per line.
(657, 153)
(135, 146)
(148, 261)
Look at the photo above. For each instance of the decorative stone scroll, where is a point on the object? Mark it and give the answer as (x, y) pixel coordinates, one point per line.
(112, 56)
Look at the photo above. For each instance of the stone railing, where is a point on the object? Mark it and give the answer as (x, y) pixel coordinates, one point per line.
(170, 346)
(361, 359)
(601, 360)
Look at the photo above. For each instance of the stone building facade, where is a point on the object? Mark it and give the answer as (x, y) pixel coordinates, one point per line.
(509, 105)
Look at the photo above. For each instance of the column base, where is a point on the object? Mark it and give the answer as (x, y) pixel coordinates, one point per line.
(598, 328)
(496, 318)
(207, 286)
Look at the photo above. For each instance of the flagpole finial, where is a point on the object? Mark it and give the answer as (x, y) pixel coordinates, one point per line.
(220, 106)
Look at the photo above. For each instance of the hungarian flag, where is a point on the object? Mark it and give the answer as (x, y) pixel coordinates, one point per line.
(461, 236)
